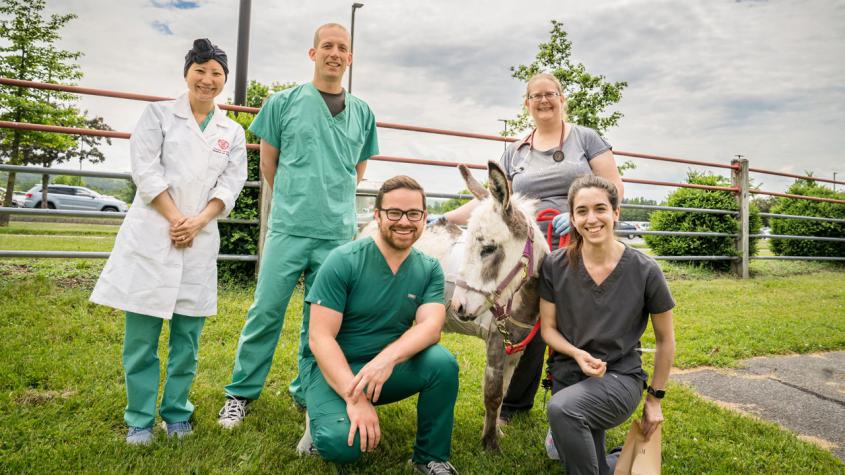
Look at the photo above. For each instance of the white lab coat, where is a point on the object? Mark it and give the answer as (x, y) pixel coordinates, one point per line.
(145, 273)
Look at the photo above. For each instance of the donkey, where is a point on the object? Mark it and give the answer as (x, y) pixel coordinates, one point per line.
(491, 272)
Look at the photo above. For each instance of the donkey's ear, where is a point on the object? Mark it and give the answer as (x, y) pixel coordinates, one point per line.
(476, 188)
(499, 185)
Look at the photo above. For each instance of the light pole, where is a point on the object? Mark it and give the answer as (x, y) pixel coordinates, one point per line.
(355, 6)
(242, 51)
(505, 131)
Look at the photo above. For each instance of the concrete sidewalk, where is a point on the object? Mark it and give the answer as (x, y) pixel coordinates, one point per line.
(804, 393)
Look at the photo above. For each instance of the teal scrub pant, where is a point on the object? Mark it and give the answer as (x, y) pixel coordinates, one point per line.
(285, 258)
(431, 373)
(141, 364)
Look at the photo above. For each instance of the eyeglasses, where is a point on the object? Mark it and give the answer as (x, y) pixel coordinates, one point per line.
(543, 95)
(395, 214)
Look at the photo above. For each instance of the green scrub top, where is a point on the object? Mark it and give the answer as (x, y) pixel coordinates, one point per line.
(315, 182)
(377, 306)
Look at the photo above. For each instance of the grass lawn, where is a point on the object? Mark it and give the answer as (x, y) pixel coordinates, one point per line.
(53, 228)
(62, 393)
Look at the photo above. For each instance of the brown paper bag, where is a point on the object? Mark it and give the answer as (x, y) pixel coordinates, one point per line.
(639, 457)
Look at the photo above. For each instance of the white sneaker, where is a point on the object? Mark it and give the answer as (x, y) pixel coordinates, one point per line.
(306, 445)
(232, 413)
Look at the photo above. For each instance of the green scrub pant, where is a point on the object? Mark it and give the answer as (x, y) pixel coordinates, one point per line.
(285, 258)
(141, 364)
(433, 373)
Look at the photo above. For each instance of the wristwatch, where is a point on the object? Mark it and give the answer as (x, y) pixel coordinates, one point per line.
(657, 393)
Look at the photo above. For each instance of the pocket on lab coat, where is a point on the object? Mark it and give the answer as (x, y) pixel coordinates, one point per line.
(217, 162)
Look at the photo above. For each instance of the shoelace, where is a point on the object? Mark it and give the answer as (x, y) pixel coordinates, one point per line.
(233, 409)
(444, 468)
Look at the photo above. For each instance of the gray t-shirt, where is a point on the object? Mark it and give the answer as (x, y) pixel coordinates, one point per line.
(335, 102)
(535, 173)
(605, 320)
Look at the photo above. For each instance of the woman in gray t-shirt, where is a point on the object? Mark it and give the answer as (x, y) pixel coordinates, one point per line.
(596, 297)
(542, 166)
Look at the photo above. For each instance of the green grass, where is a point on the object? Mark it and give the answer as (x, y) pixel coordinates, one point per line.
(62, 393)
(53, 228)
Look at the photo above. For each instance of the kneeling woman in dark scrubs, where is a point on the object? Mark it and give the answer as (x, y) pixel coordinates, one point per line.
(596, 298)
(188, 161)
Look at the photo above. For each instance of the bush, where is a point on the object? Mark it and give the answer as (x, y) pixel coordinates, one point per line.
(798, 227)
(701, 222)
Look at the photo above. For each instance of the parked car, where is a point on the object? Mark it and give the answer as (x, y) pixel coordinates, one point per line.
(17, 198)
(625, 226)
(73, 198)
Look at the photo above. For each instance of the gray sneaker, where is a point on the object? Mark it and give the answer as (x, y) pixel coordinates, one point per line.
(232, 413)
(178, 429)
(139, 436)
(435, 468)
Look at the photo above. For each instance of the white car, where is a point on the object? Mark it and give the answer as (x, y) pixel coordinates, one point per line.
(73, 197)
(17, 198)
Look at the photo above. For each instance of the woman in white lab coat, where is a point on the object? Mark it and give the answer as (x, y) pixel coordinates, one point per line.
(188, 162)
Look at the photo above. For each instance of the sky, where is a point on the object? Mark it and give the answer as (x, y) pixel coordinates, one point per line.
(707, 79)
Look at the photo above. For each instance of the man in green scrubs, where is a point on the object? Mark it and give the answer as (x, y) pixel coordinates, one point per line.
(377, 312)
(315, 141)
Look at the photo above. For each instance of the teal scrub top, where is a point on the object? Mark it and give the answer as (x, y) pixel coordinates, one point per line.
(377, 306)
(315, 182)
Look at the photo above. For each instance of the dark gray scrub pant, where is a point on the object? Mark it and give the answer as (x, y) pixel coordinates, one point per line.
(580, 414)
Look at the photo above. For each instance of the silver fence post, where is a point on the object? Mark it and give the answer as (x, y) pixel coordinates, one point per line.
(739, 179)
(265, 196)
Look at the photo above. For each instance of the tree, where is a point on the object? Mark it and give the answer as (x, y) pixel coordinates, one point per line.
(587, 95)
(28, 52)
(636, 214)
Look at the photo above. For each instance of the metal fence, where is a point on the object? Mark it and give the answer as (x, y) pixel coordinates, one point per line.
(740, 187)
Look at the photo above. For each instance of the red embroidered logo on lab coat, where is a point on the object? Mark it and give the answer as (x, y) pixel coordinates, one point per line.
(223, 144)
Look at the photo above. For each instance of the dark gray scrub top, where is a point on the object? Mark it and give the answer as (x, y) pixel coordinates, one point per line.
(605, 320)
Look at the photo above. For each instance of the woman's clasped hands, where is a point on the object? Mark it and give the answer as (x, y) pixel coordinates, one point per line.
(184, 230)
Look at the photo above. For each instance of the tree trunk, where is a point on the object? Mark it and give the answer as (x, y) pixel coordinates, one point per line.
(45, 182)
(7, 201)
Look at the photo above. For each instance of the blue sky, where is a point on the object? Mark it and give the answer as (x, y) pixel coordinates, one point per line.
(707, 79)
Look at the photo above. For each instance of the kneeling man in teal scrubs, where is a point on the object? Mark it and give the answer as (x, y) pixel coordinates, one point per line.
(377, 312)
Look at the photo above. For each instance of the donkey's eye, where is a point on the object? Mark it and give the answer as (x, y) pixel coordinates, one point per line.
(487, 250)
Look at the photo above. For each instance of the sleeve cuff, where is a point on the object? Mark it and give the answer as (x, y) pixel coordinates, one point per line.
(149, 189)
(227, 198)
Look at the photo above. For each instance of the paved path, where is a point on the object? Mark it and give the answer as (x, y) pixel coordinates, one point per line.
(804, 393)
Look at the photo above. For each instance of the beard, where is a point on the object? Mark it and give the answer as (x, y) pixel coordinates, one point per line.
(399, 242)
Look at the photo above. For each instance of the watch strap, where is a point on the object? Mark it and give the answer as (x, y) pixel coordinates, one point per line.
(657, 393)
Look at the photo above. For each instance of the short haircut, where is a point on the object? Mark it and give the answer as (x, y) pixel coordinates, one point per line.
(323, 27)
(399, 182)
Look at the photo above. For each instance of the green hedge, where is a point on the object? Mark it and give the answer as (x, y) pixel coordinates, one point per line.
(796, 227)
(700, 222)
(242, 238)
